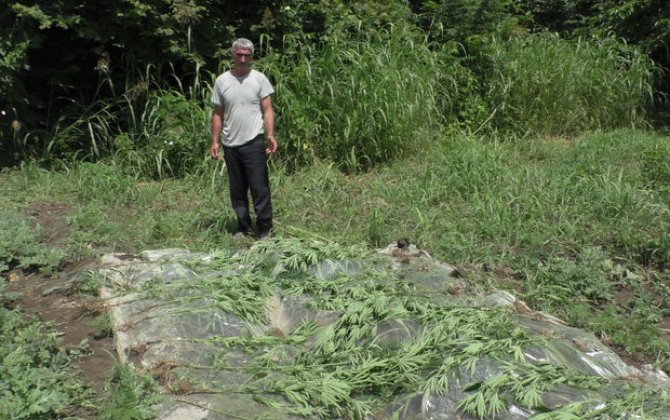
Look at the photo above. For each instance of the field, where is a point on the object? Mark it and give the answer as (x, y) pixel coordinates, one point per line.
(576, 226)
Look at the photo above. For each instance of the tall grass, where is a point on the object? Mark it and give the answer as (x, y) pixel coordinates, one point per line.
(168, 137)
(545, 85)
(468, 199)
(156, 127)
(356, 103)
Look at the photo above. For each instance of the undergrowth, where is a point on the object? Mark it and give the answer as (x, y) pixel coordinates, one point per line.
(130, 395)
(20, 246)
(36, 380)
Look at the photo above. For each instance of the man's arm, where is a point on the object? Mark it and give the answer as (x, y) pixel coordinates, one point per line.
(217, 126)
(269, 120)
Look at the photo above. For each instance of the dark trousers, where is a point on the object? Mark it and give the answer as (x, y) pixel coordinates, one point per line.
(248, 171)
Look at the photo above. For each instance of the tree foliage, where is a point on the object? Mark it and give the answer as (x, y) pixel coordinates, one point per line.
(645, 23)
(58, 59)
(54, 54)
(66, 45)
(466, 21)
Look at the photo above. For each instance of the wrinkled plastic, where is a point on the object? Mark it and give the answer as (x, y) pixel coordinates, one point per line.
(176, 340)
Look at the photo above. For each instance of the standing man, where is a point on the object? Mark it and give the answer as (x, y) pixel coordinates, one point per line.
(243, 111)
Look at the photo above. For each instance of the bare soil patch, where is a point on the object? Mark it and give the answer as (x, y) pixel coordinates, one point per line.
(52, 300)
(50, 218)
(71, 316)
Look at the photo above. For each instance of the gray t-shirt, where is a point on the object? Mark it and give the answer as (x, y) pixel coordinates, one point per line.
(240, 98)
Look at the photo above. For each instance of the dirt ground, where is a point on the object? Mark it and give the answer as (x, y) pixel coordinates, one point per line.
(49, 298)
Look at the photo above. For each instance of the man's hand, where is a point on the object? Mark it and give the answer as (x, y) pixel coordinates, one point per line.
(214, 151)
(217, 126)
(269, 120)
(272, 147)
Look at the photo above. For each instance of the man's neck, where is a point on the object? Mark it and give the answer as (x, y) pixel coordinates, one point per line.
(240, 72)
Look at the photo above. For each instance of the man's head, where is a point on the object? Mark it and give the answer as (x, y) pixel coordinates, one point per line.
(242, 52)
(242, 44)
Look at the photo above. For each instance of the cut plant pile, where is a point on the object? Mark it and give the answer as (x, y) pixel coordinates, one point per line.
(296, 328)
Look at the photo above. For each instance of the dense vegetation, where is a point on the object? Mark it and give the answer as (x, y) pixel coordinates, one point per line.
(513, 139)
(133, 81)
(36, 381)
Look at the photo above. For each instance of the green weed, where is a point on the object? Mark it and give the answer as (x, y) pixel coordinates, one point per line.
(346, 370)
(87, 283)
(35, 376)
(632, 402)
(634, 327)
(548, 86)
(20, 246)
(527, 387)
(102, 324)
(558, 281)
(131, 395)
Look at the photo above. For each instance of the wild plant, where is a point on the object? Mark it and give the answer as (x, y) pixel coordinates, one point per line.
(155, 127)
(168, 138)
(36, 378)
(544, 85)
(558, 281)
(356, 103)
(20, 246)
(656, 166)
(131, 395)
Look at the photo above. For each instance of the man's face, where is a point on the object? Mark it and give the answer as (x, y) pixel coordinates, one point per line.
(242, 57)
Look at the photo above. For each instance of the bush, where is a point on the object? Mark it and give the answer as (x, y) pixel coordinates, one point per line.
(356, 103)
(548, 86)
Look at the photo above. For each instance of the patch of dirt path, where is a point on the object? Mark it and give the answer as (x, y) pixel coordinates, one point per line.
(50, 218)
(51, 298)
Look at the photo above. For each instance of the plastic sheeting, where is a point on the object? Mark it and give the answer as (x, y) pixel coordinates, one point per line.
(182, 341)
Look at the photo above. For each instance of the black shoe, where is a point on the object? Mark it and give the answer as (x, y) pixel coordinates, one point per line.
(264, 235)
(240, 234)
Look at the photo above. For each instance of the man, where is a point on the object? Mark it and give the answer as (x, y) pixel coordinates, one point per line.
(243, 111)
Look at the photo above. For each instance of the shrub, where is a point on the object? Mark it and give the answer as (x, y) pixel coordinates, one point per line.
(548, 86)
(356, 103)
